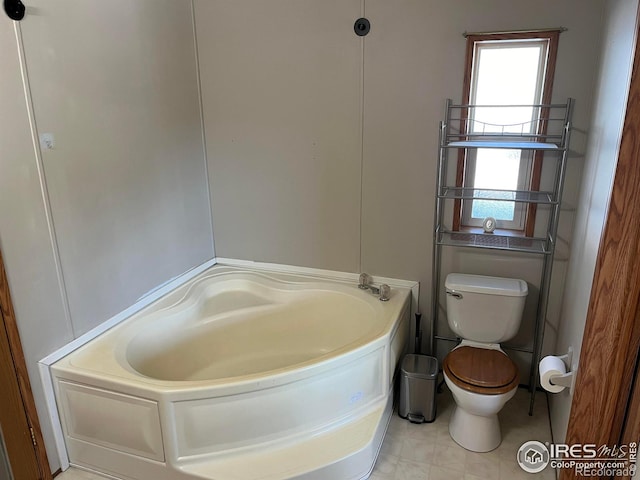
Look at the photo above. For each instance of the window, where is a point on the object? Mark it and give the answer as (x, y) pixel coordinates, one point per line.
(514, 70)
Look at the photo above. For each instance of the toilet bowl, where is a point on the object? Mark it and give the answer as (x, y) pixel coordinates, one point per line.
(474, 423)
(483, 311)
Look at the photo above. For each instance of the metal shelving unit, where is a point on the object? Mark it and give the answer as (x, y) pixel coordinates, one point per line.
(547, 130)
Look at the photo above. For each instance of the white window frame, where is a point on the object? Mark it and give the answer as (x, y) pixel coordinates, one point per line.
(526, 156)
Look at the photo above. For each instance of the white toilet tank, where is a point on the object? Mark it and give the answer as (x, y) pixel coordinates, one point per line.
(484, 309)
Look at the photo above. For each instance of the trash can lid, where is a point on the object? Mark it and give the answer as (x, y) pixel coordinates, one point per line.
(420, 366)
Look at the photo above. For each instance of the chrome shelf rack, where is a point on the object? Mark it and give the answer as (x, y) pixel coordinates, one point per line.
(547, 131)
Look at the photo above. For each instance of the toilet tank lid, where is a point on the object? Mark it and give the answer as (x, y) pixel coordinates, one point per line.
(509, 287)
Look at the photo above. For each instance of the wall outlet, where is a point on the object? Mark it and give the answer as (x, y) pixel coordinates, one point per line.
(47, 141)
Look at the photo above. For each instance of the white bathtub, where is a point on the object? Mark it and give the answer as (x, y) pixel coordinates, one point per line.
(238, 375)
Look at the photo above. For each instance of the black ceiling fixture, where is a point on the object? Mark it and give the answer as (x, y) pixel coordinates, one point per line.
(15, 9)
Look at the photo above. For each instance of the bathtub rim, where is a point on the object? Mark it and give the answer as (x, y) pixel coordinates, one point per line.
(152, 388)
(141, 326)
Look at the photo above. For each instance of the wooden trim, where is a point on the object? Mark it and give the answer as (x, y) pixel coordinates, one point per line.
(538, 158)
(605, 380)
(6, 307)
(14, 421)
(462, 154)
(528, 35)
(508, 32)
(553, 36)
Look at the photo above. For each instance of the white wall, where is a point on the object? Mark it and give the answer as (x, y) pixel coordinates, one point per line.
(282, 95)
(612, 88)
(116, 83)
(24, 234)
(278, 196)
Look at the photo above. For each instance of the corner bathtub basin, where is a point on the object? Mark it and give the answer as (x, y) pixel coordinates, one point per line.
(202, 340)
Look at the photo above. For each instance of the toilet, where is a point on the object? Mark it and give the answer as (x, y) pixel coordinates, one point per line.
(483, 311)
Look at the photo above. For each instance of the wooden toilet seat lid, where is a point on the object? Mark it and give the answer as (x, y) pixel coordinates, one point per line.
(481, 370)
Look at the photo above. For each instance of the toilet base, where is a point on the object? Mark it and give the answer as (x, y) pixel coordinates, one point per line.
(474, 432)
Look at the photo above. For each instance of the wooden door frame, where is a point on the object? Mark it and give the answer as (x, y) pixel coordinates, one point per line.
(606, 404)
(20, 366)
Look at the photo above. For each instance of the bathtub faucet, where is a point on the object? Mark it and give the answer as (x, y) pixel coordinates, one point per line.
(366, 283)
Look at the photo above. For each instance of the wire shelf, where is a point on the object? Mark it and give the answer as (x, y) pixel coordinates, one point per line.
(523, 196)
(493, 241)
(504, 144)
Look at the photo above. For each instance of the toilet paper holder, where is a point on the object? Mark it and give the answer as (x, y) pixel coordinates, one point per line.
(566, 379)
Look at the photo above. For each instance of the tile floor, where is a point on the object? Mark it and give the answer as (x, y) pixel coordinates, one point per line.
(427, 452)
